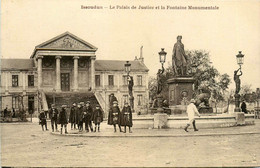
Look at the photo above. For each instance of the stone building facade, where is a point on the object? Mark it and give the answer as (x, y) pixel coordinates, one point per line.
(65, 69)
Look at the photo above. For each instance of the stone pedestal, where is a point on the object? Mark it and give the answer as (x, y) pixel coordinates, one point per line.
(237, 103)
(160, 120)
(240, 118)
(178, 109)
(206, 110)
(180, 90)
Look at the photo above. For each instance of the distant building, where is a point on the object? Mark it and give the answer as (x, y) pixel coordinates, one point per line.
(64, 70)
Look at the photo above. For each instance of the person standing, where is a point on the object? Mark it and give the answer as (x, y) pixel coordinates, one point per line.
(114, 116)
(53, 114)
(126, 117)
(6, 112)
(13, 116)
(73, 114)
(42, 120)
(80, 116)
(97, 117)
(63, 119)
(88, 115)
(192, 110)
(243, 107)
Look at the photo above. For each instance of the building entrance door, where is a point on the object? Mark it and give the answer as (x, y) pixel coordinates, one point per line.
(65, 81)
(31, 104)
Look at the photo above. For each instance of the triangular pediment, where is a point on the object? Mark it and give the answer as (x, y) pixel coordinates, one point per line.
(67, 41)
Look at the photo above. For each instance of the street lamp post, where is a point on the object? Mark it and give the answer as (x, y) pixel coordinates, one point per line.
(162, 58)
(237, 74)
(130, 81)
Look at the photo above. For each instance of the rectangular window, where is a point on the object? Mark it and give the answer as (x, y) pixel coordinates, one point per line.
(111, 80)
(139, 80)
(14, 80)
(125, 82)
(30, 80)
(139, 100)
(97, 80)
(15, 102)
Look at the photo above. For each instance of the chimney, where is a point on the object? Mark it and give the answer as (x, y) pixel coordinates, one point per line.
(141, 59)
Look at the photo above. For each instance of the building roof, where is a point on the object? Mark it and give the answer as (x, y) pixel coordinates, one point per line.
(65, 41)
(100, 65)
(17, 64)
(116, 65)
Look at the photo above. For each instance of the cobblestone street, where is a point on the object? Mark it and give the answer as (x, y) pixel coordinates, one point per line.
(24, 144)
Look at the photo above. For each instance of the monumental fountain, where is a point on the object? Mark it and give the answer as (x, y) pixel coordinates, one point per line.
(180, 91)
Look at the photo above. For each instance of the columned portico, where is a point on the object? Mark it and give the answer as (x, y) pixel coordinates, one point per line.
(76, 85)
(39, 71)
(58, 85)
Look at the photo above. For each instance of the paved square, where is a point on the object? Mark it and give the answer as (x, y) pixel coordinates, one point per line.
(24, 144)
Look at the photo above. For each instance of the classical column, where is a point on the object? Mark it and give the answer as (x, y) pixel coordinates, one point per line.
(103, 80)
(58, 85)
(92, 59)
(24, 82)
(76, 83)
(39, 70)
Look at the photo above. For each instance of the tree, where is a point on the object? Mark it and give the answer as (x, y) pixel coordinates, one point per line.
(219, 88)
(245, 89)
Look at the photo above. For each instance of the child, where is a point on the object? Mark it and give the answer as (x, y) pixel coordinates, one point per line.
(126, 117)
(42, 121)
(63, 119)
(80, 116)
(97, 117)
(114, 116)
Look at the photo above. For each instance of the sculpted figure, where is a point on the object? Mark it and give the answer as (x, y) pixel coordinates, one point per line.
(237, 79)
(179, 59)
(159, 80)
(130, 85)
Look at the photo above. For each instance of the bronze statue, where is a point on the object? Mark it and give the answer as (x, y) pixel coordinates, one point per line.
(237, 79)
(159, 80)
(179, 58)
(130, 80)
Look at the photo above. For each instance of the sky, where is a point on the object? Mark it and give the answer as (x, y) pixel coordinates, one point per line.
(119, 33)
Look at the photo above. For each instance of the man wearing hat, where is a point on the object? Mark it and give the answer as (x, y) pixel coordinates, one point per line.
(53, 114)
(80, 116)
(112, 98)
(97, 117)
(114, 116)
(73, 116)
(87, 116)
(63, 119)
(192, 110)
(42, 118)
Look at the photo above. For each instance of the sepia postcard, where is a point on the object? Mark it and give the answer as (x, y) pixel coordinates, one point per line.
(130, 83)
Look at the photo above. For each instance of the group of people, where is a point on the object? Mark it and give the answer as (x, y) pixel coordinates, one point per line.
(83, 113)
(121, 118)
(79, 114)
(9, 113)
